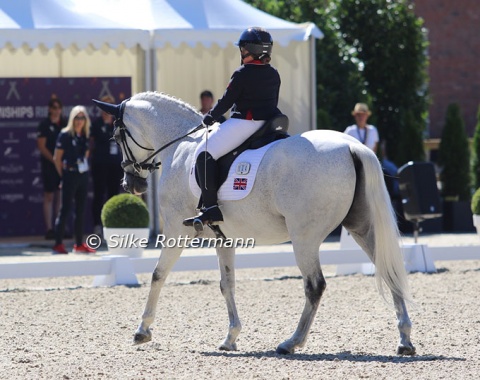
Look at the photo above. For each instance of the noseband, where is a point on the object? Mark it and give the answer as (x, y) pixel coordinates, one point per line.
(144, 165)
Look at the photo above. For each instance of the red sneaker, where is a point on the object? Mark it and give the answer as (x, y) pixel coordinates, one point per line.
(59, 249)
(82, 248)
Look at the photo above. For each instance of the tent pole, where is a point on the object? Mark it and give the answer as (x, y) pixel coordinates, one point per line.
(151, 69)
(313, 84)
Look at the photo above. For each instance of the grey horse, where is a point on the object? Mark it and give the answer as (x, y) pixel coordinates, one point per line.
(306, 186)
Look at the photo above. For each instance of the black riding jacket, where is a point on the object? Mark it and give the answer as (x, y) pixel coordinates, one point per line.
(252, 93)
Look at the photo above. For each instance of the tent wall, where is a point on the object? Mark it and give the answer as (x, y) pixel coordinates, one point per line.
(182, 71)
(185, 71)
(72, 62)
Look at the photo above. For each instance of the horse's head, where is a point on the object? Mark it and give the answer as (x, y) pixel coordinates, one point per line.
(136, 149)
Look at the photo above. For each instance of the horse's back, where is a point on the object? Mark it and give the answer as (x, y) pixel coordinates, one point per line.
(309, 177)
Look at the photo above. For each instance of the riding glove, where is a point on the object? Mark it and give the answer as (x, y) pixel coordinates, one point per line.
(208, 120)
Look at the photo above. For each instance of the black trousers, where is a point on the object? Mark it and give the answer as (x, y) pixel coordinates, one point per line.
(106, 183)
(74, 190)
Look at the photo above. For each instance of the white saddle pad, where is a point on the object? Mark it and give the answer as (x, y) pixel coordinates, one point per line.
(241, 176)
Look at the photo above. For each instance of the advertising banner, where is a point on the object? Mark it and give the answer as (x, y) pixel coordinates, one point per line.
(23, 104)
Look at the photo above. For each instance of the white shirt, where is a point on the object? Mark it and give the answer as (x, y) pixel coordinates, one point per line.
(367, 136)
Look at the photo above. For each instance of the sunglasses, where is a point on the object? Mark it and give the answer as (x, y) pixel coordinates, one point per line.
(79, 118)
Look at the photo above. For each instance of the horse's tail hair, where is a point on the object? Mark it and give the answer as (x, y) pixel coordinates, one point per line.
(388, 257)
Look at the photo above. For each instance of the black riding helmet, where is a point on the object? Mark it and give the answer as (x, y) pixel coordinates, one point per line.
(257, 41)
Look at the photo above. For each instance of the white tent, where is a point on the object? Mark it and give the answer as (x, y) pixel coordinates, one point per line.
(180, 47)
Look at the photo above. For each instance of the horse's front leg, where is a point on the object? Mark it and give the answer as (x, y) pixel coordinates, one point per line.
(226, 262)
(405, 346)
(168, 257)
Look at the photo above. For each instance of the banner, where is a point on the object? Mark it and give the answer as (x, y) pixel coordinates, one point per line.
(23, 104)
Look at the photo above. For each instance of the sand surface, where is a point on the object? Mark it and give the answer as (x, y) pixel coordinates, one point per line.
(63, 328)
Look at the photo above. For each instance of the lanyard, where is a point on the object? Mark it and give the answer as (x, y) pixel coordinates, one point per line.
(364, 140)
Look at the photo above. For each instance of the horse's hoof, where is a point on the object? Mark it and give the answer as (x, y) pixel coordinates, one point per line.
(140, 338)
(282, 350)
(227, 347)
(406, 350)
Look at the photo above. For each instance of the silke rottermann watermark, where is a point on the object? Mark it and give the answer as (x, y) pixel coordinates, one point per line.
(161, 241)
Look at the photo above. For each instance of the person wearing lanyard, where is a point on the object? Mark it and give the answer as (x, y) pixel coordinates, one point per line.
(70, 157)
(47, 133)
(106, 158)
(363, 132)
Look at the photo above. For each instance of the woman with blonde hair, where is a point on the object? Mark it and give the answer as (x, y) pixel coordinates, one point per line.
(71, 161)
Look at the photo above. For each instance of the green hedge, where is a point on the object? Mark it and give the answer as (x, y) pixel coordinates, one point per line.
(476, 202)
(125, 211)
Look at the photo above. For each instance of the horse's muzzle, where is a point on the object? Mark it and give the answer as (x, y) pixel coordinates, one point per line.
(134, 184)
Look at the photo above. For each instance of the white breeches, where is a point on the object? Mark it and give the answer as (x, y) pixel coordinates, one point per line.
(227, 136)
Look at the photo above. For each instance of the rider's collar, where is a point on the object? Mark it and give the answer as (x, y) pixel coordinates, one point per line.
(254, 62)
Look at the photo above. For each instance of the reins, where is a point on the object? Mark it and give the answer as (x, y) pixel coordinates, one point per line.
(144, 165)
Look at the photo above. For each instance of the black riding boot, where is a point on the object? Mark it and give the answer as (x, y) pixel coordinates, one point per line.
(210, 213)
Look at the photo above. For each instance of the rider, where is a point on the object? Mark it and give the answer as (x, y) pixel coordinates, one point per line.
(252, 93)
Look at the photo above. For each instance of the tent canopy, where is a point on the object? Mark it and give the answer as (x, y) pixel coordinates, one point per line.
(176, 46)
(148, 23)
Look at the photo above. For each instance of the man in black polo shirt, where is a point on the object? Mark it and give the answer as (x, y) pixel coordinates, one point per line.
(47, 132)
(106, 169)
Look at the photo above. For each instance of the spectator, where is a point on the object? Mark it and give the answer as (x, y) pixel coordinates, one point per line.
(207, 102)
(70, 157)
(47, 132)
(390, 170)
(106, 158)
(363, 132)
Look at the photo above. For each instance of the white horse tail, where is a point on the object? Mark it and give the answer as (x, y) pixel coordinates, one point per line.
(387, 255)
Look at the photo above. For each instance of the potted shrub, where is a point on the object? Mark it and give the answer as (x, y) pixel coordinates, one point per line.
(125, 220)
(476, 209)
(454, 160)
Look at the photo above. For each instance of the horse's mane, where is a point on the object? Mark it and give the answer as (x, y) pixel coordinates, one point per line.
(166, 100)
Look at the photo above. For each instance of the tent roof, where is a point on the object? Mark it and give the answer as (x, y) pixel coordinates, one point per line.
(95, 22)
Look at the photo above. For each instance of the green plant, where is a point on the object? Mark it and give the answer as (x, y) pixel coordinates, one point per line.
(390, 43)
(454, 156)
(372, 52)
(125, 211)
(476, 202)
(476, 153)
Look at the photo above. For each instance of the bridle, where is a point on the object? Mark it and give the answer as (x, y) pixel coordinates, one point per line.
(143, 165)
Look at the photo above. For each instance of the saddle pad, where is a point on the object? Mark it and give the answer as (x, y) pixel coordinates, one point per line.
(241, 175)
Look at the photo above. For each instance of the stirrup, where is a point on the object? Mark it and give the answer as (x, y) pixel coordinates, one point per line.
(204, 217)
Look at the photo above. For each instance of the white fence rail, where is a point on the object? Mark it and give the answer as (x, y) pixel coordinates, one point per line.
(121, 270)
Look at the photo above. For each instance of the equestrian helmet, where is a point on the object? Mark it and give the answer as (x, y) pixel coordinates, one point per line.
(257, 41)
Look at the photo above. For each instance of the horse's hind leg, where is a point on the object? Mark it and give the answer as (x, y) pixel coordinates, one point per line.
(226, 263)
(405, 346)
(308, 261)
(367, 243)
(168, 257)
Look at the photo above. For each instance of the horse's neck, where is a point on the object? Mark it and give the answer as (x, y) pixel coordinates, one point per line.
(171, 125)
(174, 120)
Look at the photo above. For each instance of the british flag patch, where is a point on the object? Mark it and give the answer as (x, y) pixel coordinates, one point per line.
(239, 184)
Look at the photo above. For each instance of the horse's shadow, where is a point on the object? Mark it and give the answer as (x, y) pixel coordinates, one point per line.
(340, 356)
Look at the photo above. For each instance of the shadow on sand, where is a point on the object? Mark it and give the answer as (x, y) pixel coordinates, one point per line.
(340, 356)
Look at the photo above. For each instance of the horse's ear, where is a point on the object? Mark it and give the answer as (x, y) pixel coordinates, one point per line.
(112, 109)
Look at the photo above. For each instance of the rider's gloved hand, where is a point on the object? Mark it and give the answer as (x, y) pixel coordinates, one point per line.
(208, 120)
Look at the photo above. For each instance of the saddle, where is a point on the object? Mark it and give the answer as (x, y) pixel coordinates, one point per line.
(274, 129)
